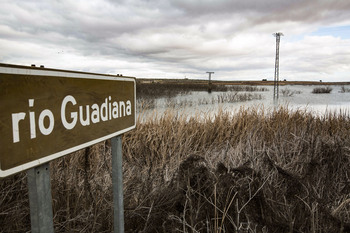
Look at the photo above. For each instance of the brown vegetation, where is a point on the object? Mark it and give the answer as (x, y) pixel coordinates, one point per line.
(252, 171)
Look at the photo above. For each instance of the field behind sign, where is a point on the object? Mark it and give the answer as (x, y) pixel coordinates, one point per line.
(280, 171)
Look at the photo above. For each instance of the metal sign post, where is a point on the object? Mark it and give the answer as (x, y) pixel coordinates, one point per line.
(117, 179)
(39, 187)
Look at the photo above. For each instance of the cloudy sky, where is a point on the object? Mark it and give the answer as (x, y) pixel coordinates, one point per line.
(180, 38)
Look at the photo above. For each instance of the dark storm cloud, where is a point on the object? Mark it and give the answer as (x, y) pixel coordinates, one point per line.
(293, 10)
(163, 36)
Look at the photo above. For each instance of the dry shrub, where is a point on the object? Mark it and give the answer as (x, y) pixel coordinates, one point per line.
(320, 90)
(252, 171)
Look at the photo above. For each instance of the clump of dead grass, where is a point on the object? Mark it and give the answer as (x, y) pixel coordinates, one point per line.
(252, 171)
(322, 90)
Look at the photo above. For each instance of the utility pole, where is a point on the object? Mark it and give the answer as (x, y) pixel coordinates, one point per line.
(276, 79)
(209, 83)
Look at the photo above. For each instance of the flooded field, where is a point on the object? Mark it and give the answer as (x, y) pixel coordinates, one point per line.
(293, 96)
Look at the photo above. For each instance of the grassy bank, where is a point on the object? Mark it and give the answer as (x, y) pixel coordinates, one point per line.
(253, 171)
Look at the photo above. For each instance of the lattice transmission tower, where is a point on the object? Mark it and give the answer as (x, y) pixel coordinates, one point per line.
(209, 83)
(276, 78)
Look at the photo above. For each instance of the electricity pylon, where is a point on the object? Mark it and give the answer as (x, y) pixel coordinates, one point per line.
(276, 79)
(209, 83)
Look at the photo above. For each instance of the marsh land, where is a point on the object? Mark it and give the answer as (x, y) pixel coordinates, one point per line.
(251, 169)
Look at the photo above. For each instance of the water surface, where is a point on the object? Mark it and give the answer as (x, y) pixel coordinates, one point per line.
(302, 98)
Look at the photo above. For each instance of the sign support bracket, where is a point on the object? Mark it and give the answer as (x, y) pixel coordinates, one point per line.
(39, 189)
(117, 180)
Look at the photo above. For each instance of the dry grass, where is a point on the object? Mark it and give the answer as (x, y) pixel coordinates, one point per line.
(234, 97)
(252, 171)
(230, 97)
(245, 88)
(286, 92)
(145, 103)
